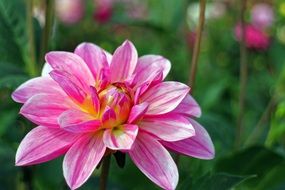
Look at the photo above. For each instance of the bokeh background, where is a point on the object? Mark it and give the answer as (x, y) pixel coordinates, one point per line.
(255, 159)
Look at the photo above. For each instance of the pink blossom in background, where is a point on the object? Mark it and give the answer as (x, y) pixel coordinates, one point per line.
(103, 10)
(89, 101)
(254, 37)
(70, 11)
(262, 15)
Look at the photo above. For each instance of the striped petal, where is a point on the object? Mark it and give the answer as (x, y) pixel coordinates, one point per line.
(188, 107)
(149, 67)
(164, 97)
(42, 144)
(154, 161)
(81, 159)
(123, 62)
(94, 57)
(44, 109)
(77, 121)
(198, 146)
(68, 85)
(121, 137)
(137, 112)
(35, 86)
(73, 64)
(168, 127)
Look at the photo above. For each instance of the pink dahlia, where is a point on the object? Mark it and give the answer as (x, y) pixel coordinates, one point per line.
(103, 11)
(255, 38)
(90, 103)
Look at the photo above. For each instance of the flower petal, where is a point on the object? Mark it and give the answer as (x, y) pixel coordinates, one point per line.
(77, 121)
(123, 62)
(164, 97)
(95, 99)
(137, 112)
(198, 146)
(108, 117)
(121, 137)
(73, 64)
(149, 67)
(44, 109)
(93, 56)
(68, 85)
(35, 86)
(188, 107)
(168, 127)
(82, 158)
(46, 70)
(42, 144)
(154, 161)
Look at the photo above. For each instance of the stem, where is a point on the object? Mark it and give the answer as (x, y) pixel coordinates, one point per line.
(104, 173)
(195, 55)
(49, 13)
(243, 75)
(27, 178)
(257, 132)
(196, 51)
(31, 63)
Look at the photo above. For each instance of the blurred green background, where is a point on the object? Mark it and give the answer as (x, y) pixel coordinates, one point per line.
(165, 27)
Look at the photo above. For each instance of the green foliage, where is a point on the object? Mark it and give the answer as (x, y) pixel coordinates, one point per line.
(165, 32)
(217, 181)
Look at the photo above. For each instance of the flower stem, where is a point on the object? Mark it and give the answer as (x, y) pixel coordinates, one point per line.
(243, 75)
(31, 63)
(104, 173)
(196, 51)
(257, 131)
(49, 14)
(195, 55)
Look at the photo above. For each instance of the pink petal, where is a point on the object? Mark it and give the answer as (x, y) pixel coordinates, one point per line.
(164, 97)
(198, 146)
(137, 112)
(72, 64)
(95, 99)
(154, 161)
(149, 67)
(188, 107)
(68, 85)
(77, 121)
(82, 158)
(35, 86)
(46, 70)
(42, 144)
(108, 117)
(44, 109)
(93, 56)
(121, 137)
(168, 127)
(123, 62)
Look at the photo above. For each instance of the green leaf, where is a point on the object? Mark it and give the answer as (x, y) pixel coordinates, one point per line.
(7, 118)
(12, 81)
(277, 127)
(217, 181)
(13, 37)
(255, 160)
(275, 179)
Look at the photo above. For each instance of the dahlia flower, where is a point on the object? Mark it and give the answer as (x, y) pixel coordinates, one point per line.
(89, 103)
(255, 38)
